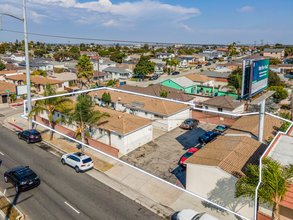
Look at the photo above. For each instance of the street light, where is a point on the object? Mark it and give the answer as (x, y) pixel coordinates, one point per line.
(29, 104)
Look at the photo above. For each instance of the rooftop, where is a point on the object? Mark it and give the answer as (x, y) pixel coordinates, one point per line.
(117, 70)
(214, 74)
(226, 102)
(34, 79)
(150, 104)
(121, 122)
(182, 81)
(198, 77)
(7, 72)
(66, 76)
(269, 50)
(4, 86)
(250, 124)
(230, 153)
(154, 90)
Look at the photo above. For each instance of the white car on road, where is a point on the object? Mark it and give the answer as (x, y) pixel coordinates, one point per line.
(189, 214)
(79, 161)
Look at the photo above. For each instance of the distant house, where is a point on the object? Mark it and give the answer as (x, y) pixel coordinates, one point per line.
(275, 68)
(180, 83)
(4, 73)
(165, 55)
(38, 82)
(103, 64)
(167, 115)
(18, 57)
(185, 60)
(225, 104)
(4, 87)
(102, 76)
(154, 90)
(133, 57)
(67, 77)
(119, 73)
(199, 79)
(274, 53)
(219, 77)
(213, 171)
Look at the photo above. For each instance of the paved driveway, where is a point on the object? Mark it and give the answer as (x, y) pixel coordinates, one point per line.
(161, 157)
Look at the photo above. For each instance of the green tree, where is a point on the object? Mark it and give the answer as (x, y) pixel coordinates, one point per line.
(83, 116)
(276, 180)
(39, 53)
(106, 97)
(2, 48)
(280, 93)
(117, 57)
(104, 53)
(39, 73)
(285, 125)
(274, 79)
(164, 93)
(235, 81)
(85, 72)
(2, 66)
(112, 82)
(50, 105)
(74, 49)
(12, 97)
(144, 66)
(275, 61)
(145, 47)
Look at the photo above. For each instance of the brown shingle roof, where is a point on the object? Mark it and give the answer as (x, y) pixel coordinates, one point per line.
(198, 77)
(150, 104)
(223, 102)
(4, 86)
(154, 90)
(250, 124)
(34, 79)
(230, 153)
(100, 74)
(7, 72)
(120, 122)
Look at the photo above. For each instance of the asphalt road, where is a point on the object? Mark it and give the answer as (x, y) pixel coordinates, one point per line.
(61, 187)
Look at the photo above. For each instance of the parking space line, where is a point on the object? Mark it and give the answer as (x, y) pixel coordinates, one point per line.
(1, 153)
(71, 207)
(4, 192)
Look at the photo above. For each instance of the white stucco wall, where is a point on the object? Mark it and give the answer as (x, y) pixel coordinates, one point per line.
(240, 109)
(217, 185)
(175, 120)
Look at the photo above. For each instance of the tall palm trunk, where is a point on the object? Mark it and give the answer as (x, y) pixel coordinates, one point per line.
(51, 126)
(275, 211)
(82, 136)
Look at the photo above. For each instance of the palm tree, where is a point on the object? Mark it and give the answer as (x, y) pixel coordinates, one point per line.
(174, 63)
(276, 180)
(83, 117)
(153, 52)
(235, 82)
(50, 105)
(85, 72)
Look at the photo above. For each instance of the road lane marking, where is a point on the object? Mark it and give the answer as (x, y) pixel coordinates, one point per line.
(71, 207)
(13, 107)
(4, 192)
(1, 153)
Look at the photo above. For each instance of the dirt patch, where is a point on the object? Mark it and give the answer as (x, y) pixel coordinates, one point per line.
(8, 209)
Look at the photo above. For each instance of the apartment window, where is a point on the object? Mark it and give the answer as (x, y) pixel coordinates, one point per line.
(220, 109)
(119, 136)
(146, 113)
(271, 52)
(158, 116)
(276, 53)
(206, 107)
(101, 131)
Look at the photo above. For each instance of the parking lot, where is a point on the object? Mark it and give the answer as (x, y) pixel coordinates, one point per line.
(162, 155)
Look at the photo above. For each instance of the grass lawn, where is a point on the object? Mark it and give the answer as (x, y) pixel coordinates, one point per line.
(181, 69)
(191, 66)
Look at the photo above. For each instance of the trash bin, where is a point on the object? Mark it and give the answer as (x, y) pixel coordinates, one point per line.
(139, 79)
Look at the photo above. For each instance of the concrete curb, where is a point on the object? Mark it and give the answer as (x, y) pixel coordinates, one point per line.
(2, 213)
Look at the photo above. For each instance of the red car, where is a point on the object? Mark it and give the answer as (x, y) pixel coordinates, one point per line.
(189, 153)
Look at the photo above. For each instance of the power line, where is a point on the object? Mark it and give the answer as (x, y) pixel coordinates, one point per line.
(93, 39)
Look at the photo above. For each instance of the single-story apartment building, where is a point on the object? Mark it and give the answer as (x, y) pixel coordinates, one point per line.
(165, 55)
(199, 79)
(180, 83)
(119, 73)
(67, 77)
(213, 171)
(167, 115)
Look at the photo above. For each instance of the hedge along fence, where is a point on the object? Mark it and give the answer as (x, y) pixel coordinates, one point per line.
(90, 141)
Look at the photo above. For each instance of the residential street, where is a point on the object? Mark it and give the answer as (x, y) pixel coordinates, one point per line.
(61, 187)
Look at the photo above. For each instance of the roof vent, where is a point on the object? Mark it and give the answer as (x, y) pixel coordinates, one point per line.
(136, 104)
(119, 99)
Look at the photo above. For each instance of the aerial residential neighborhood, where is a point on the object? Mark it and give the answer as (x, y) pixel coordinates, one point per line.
(146, 109)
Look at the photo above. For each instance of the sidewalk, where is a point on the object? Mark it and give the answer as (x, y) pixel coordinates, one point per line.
(153, 194)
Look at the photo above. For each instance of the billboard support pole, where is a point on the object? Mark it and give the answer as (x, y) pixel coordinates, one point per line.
(243, 78)
(261, 120)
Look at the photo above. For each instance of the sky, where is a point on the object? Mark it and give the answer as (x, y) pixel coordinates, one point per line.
(168, 21)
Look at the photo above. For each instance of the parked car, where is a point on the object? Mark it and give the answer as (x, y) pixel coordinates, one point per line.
(189, 123)
(154, 77)
(22, 178)
(214, 61)
(30, 136)
(207, 137)
(210, 59)
(175, 73)
(79, 161)
(208, 64)
(221, 128)
(189, 214)
(198, 66)
(188, 154)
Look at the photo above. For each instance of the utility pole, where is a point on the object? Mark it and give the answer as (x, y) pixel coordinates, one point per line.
(29, 104)
(261, 42)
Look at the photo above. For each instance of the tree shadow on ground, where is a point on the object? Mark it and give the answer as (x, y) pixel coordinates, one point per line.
(224, 195)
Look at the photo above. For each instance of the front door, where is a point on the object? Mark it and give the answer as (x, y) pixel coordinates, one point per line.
(4, 98)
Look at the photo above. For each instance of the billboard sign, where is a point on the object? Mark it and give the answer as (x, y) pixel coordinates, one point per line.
(259, 76)
(21, 90)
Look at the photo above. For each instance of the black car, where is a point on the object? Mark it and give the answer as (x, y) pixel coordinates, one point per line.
(23, 178)
(198, 66)
(207, 137)
(175, 73)
(154, 77)
(208, 64)
(30, 136)
(189, 124)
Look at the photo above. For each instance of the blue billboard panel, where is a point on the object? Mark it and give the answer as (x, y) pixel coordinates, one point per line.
(259, 76)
